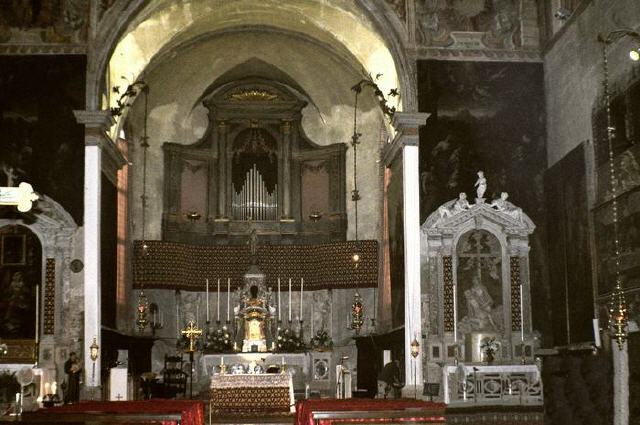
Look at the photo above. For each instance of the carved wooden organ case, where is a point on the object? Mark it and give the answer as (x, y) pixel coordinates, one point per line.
(254, 168)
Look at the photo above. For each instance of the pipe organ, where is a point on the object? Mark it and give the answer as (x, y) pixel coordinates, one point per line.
(254, 168)
(254, 201)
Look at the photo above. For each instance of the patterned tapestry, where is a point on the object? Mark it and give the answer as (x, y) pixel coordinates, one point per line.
(171, 265)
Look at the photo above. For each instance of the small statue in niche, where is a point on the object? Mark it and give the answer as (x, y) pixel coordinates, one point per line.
(481, 185)
(501, 204)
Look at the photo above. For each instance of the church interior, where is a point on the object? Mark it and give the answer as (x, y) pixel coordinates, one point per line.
(319, 211)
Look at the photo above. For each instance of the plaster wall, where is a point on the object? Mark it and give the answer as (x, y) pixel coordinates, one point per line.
(176, 115)
(573, 71)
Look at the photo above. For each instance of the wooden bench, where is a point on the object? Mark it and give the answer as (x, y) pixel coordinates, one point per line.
(99, 418)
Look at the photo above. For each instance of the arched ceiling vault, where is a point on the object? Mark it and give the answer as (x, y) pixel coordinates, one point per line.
(157, 28)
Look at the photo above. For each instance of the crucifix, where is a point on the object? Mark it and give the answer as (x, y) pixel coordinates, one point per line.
(119, 397)
(192, 332)
(21, 196)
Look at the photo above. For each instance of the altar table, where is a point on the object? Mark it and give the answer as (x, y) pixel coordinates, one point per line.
(267, 392)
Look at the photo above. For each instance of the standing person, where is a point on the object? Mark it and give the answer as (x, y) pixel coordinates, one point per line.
(72, 368)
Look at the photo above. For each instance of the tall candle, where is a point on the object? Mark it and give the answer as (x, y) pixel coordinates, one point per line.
(54, 388)
(37, 312)
(47, 388)
(228, 298)
(279, 315)
(218, 300)
(289, 299)
(521, 316)
(301, 293)
(455, 314)
(207, 300)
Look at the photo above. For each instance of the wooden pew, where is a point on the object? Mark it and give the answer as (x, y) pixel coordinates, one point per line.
(99, 418)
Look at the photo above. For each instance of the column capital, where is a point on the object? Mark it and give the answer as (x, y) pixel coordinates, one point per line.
(95, 119)
(96, 124)
(403, 121)
(406, 125)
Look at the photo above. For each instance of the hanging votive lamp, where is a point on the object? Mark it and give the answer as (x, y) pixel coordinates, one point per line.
(357, 313)
(142, 309)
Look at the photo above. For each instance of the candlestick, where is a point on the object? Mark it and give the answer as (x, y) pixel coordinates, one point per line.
(228, 297)
(54, 388)
(37, 312)
(177, 318)
(289, 299)
(218, 300)
(301, 293)
(279, 315)
(207, 300)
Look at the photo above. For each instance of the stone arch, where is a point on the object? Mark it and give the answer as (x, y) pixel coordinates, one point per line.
(123, 13)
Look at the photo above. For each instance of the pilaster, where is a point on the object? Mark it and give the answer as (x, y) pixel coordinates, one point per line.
(99, 150)
(406, 144)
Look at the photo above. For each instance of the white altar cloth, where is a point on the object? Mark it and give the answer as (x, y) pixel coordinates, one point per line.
(301, 360)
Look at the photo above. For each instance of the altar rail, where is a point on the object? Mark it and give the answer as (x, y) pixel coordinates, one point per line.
(171, 265)
(493, 385)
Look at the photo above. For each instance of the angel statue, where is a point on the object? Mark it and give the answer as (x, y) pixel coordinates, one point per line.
(481, 185)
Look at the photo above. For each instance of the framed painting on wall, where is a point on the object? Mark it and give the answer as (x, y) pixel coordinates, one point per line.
(14, 250)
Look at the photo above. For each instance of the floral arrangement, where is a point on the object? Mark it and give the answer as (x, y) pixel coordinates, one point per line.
(287, 341)
(321, 341)
(489, 347)
(219, 341)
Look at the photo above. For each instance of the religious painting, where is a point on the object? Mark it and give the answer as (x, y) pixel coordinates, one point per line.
(569, 263)
(18, 280)
(479, 282)
(489, 117)
(48, 21)
(395, 240)
(482, 24)
(13, 250)
(40, 139)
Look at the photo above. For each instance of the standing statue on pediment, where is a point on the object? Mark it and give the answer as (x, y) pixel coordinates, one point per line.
(481, 185)
(253, 247)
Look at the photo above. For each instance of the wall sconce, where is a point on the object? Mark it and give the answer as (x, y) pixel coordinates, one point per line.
(415, 348)
(94, 350)
(93, 355)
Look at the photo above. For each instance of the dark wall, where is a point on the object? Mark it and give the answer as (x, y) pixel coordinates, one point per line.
(108, 247)
(578, 388)
(487, 116)
(395, 216)
(40, 141)
(569, 253)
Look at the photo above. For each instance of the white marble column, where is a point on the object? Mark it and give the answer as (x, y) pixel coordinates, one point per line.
(405, 148)
(100, 155)
(620, 383)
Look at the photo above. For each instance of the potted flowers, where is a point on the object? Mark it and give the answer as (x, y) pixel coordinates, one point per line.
(489, 348)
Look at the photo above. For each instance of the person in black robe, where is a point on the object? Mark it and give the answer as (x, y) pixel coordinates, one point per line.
(73, 369)
(390, 375)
